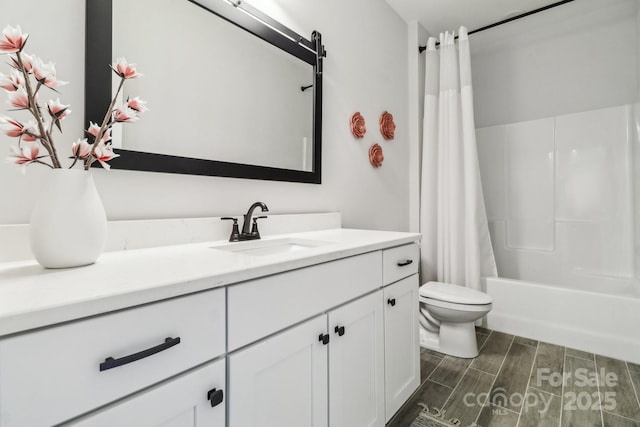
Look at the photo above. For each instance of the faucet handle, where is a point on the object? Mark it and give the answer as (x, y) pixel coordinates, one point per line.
(235, 232)
(254, 226)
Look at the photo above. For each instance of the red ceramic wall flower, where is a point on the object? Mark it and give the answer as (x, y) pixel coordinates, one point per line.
(387, 126)
(358, 127)
(29, 75)
(375, 155)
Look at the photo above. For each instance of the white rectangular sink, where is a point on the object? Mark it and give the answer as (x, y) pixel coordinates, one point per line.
(271, 247)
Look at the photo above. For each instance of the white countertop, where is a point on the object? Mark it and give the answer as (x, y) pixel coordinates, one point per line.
(33, 297)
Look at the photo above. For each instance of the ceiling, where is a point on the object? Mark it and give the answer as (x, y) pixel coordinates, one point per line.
(441, 15)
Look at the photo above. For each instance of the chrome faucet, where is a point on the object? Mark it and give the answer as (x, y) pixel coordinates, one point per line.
(251, 234)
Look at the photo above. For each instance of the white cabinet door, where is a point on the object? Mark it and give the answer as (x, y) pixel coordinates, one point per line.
(195, 399)
(281, 381)
(356, 364)
(402, 349)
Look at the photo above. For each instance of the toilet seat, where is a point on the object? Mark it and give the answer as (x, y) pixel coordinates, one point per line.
(453, 294)
(455, 305)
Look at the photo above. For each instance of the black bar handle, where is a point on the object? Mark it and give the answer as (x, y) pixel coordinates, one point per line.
(405, 263)
(215, 397)
(324, 339)
(391, 302)
(110, 362)
(339, 330)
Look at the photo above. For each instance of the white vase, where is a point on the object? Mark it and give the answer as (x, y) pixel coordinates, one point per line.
(68, 225)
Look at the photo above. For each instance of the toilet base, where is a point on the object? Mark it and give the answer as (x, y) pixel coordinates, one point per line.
(454, 339)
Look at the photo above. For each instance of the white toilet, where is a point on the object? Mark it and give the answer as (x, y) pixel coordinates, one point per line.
(450, 312)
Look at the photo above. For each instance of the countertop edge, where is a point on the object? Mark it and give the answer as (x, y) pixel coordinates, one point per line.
(16, 323)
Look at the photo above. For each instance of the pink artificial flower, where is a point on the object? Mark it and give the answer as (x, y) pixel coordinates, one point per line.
(137, 104)
(106, 136)
(41, 70)
(125, 70)
(12, 39)
(125, 115)
(12, 82)
(46, 74)
(24, 156)
(94, 129)
(81, 149)
(103, 154)
(57, 110)
(19, 98)
(27, 61)
(15, 129)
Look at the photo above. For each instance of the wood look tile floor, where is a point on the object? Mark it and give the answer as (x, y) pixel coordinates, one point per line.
(517, 381)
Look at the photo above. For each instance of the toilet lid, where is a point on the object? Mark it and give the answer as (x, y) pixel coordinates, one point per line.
(454, 293)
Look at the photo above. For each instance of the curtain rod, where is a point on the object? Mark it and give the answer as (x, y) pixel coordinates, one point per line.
(531, 12)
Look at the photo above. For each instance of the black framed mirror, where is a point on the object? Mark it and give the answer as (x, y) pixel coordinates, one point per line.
(254, 110)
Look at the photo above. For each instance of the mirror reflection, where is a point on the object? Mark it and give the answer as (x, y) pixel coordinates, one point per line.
(214, 90)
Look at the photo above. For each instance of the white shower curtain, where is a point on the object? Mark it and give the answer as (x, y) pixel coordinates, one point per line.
(456, 247)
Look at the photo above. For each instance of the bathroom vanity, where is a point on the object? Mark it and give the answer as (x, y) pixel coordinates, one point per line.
(314, 328)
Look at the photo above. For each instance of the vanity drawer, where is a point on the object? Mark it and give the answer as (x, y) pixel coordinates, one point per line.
(51, 375)
(400, 262)
(184, 402)
(263, 306)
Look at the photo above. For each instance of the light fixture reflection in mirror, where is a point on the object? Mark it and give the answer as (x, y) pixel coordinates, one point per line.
(222, 101)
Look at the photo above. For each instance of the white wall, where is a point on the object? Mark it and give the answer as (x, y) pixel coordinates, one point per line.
(576, 57)
(366, 71)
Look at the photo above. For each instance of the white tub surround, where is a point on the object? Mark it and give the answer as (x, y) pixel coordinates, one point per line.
(580, 317)
(562, 198)
(337, 313)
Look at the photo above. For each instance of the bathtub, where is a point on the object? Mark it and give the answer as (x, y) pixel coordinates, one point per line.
(587, 319)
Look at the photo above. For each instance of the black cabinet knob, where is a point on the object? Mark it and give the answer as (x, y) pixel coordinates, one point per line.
(324, 338)
(405, 263)
(391, 302)
(215, 397)
(339, 330)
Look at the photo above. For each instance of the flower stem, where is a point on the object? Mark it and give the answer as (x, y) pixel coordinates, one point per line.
(75, 160)
(104, 126)
(45, 139)
(43, 163)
